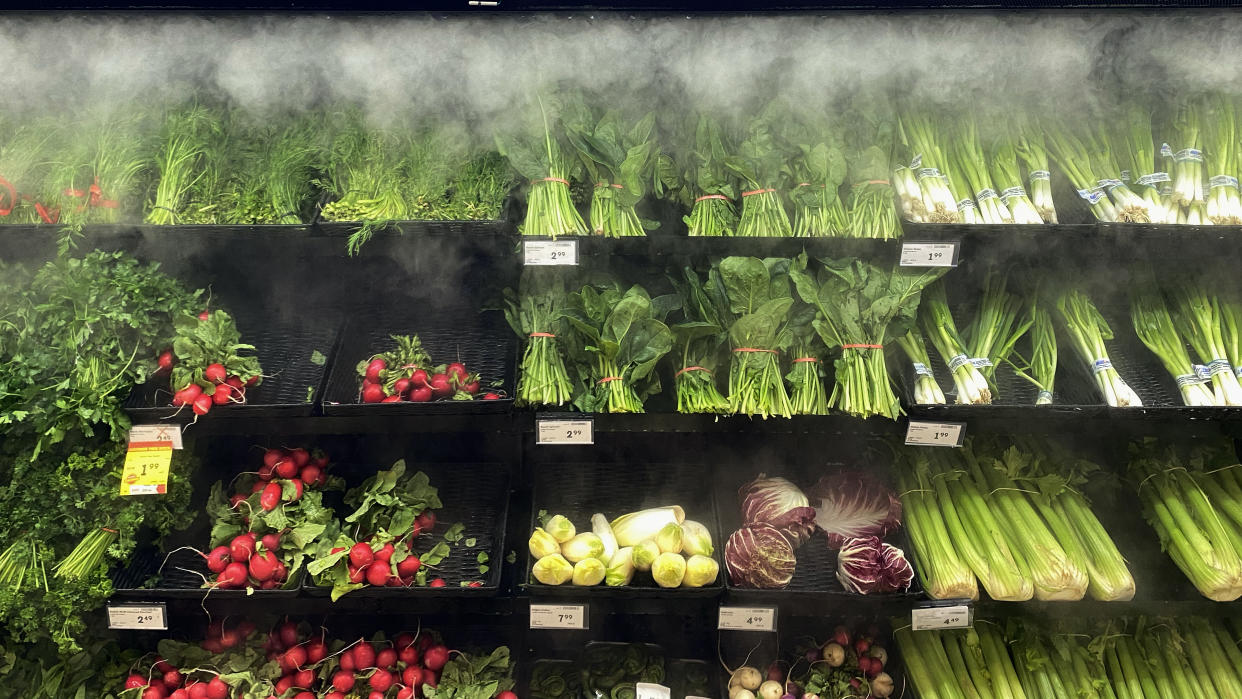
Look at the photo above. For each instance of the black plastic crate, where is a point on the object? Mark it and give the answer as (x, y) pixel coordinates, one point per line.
(483, 341)
(815, 576)
(578, 490)
(484, 228)
(182, 574)
(292, 383)
(475, 494)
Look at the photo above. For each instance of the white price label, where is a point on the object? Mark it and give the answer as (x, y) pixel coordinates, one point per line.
(546, 253)
(932, 618)
(928, 255)
(562, 431)
(145, 617)
(156, 433)
(935, 434)
(647, 690)
(558, 616)
(747, 619)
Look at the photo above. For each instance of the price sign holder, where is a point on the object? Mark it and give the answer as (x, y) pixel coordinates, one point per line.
(156, 433)
(944, 614)
(558, 616)
(142, 617)
(747, 619)
(550, 253)
(648, 690)
(929, 253)
(145, 471)
(557, 430)
(935, 434)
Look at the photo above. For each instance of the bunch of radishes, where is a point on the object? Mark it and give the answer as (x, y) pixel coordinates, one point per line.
(297, 467)
(163, 681)
(407, 374)
(204, 363)
(860, 651)
(248, 561)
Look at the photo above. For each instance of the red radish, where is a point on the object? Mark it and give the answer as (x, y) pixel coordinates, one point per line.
(223, 395)
(419, 378)
(422, 394)
(202, 404)
(440, 386)
(198, 690)
(253, 381)
(241, 548)
(321, 461)
(172, 678)
(426, 520)
(288, 633)
(161, 665)
(861, 646)
(233, 576)
(305, 679)
(375, 695)
(435, 658)
(310, 474)
(357, 575)
(235, 383)
(266, 473)
(475, 583)
(431, 679)
(228, 639)
(204, 316)
(364, 656)
(166, 360)
(235, 500)
(405, 639)
(271, 542)
(841, 636)
(300, 456)
(387, 659)
(378, 574)
(246, 628)
(372, 393)
(471, 388)
(217, 689)
(405, 693)
(273, 456)
(281, 573)
(334, 695)
(401, 386)
(458, 370)
(408, 655)
(216, 373)
(258, 485)
(303, 695)
(385, 552)
(408, 566)
(155, 691)
(286, 468)
(298, 487)
(187, 395)
(506, 695)
(438, 582)
(360, 554)
(213, 646)
(374, 367)
(316, 651)
(412, 676)
(263, 566)
(293, 659)
(135, 681)
(343, 680)
(491, 396)
(425, 641)
(347, 661)
(284, 684)
(270, 497)
(381, 680)
(179, 694)
(392, 399)
(218, 559)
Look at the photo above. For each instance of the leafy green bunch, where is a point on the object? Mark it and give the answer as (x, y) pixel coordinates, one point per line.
(617, 153)
(706, 184)
(760, 160)
(698, 339)
(759, 304)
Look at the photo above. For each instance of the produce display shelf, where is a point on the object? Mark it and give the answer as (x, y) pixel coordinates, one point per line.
(578, 490)
(481, 340)
(697, 423)
(680, 245)
(293, 380)
(478, 228)
(180, 574)
(477, 495)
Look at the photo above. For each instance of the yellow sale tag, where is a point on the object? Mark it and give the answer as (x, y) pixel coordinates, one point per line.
(146, 468)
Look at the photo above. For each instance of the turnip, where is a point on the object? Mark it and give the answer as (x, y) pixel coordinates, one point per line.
(841, 636)
(217, 689)
(343, 680)
(270, 497)
(746, 677)
(216, 373)
(833, 654)
(770, 690)
(882, 685)
(386, 659)
(360, 554)
(740, 692)
(435, 658)
(286, 468)
(380, 680)
(218, 559)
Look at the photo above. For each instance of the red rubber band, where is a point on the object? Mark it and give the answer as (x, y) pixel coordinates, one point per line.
(95, 199)
(110, 531)
(12, 196)
(409, 366)
(801, 360)
(606, 379)
(605, 184)
(692, 368)
(862, 346)
(541, 335)
(859, 184)
(753, 349)
(758, 191)
(52, 216)
(551, 179)
(808, 184)
(711, 196)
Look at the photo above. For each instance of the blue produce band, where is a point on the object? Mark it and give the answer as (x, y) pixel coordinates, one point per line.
(1037, 175)
(1154, 179)
(1166, 151)
(920, 369)
(985, 194)
(1189, 155)
(1202, 372)
(958, 361)
(980, 362)
(1044, 395)
(928, 172)
(1189, 380)
(1219, 366)
(1101, 365)
(1223, 181)
(1093, 196)
(1012, 192)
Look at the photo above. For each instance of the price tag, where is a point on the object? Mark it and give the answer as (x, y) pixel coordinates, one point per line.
(563, 431)
(144, 617)
(545, 253)
(146, 468)
(932, 618)
(935, 434)
(156, 433)
(747, 619)
(558, 616)
(647, 690)
(928, 254)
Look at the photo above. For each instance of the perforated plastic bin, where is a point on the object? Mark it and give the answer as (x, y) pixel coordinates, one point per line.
(482, 341)
(815, 576)
(578, 490)
(292, 383)
(477, 495)
(182, 577)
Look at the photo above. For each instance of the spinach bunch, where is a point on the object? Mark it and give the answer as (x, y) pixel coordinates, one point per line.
(708, 184)
(618, 155)
(759, 304)
(760, 162)
(699, 337)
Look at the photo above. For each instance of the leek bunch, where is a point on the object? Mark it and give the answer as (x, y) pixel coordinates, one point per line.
(1088, 329)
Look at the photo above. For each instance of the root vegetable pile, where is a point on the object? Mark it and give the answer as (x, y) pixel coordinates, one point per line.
(205, 364)
(406, 373)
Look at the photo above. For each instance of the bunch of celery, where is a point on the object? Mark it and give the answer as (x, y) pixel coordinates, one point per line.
(536, 312)
(185, 140)
(1194, 502)
(1154, 326)
(1041, 368)
(618, 154)
(938, 325)
(699, 338)
(970, 663)
(926, 390)
(1088, 329)
(925, 191)
(535, 149)
(760, 162)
